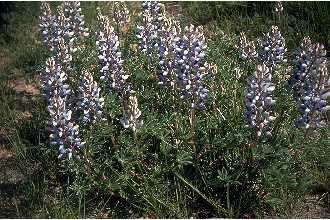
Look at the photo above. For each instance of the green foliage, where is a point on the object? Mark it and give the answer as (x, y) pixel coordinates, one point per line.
(299, 19)
(217, 169)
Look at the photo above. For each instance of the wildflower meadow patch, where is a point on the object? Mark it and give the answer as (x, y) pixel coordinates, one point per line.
(143, 113)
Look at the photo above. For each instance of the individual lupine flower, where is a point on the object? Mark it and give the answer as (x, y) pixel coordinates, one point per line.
(76, 24)
(54, 79)
(247, 48)
(46, 25)
(310, 83)
(132, 114)
(259, 101)
(121, 14)
(191, 69)
(89, 101)
(111, 63)
(273, 48)
(64, 133)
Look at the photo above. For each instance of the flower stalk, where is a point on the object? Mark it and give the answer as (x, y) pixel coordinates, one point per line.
(259, 101)
(310, 83)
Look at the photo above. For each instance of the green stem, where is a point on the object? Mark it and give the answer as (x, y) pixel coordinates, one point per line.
(211, 202)
(193, 127)
(228, 199)
(135, 138)
(175, 114)
(277, 124)
(306, 132)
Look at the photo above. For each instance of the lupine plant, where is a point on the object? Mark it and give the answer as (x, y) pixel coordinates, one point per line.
(168, 166)
(132, 113)
(90, 102)
(46, 25)
(121, 15)
(60, 37)
(247, 48)
(190, 66)
(310, 83)
(68, 24)
(53, 78)
(148, 30)
(62, 54)
(278, 7)
(113, 73)
(164, 50)
(272, 48)
(109, 55)
(271, 52)
(64, 131)
(156, 34)
(259, 101)
(76, 24)
(258, 96)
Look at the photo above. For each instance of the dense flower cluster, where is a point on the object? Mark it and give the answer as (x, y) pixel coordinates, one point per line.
(148, 31)
(121, 14)
(165, 50)
(259, 101)
(64, 132)
(131, 114)
(310, 83)
(273, 48)
(68, 24)
(75, 23)
(109, 55)
(303, 58)
(190, 66)
(63, 54)
(61, 26)
(54, 79)
(180, 54)
(247, 48)
(46, 25)
(89, 103)
(60, 34)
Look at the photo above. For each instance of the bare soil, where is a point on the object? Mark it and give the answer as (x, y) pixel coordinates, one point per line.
(11, 175)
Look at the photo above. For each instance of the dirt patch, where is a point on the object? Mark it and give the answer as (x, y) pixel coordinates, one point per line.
(25, 96)
(10, 172)
(24, 115)
(3, 139)
(313, 207)
(10, 177)
(6, 154)
(21, 86)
